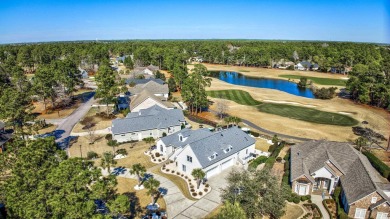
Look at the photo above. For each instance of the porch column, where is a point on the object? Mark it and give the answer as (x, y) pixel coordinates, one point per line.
(331, 185)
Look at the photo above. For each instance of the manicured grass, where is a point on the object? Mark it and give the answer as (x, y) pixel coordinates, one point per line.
(238, 96)
(307, 114)
(293, 112)
(321, 81)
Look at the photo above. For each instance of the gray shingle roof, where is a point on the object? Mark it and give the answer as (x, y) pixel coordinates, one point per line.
(217, 142)
(154, 117)
(191, 135)
(152, 86)
(359, 178)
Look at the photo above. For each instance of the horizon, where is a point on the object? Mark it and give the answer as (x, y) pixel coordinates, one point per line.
(69, 21)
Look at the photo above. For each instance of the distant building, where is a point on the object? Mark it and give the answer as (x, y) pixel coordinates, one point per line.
(305, 65)
(83, 73)
(147, 71)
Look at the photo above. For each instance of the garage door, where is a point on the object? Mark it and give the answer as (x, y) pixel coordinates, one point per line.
(302, 189)
(212, 172)
(227, 164)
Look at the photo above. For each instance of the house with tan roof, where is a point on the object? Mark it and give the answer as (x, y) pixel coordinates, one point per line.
(318, 166)
(158, 89)
(145, 99)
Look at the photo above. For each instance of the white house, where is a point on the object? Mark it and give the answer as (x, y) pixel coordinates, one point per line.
(146, 100)
(213, 152)
(154, 87)
(305, 65)
(151, 122)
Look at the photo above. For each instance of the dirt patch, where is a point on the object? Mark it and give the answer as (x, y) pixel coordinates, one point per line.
(261, 144)
(292, 211)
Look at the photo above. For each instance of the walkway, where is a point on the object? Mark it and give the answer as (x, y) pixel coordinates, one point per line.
(317, 199)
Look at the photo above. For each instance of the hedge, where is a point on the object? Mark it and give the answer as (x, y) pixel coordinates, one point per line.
(340, 211)
(269, 163)
(381, 167)
(256, 162)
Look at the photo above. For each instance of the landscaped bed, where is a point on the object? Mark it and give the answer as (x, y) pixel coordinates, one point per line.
(204, 188)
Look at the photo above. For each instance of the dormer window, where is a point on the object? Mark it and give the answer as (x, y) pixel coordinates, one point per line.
(373, 200)
(228, 149)
(181, 138)
(212, 157)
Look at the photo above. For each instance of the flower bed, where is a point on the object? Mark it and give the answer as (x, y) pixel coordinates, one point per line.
(204, 188)
(313, 211)
(155, 156)
(330, 206)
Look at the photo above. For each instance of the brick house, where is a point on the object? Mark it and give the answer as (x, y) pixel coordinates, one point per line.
(322, 165)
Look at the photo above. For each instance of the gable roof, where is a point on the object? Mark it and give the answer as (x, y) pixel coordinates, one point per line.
(144, 95)
(189, 136)
(152, 86)
(359, 178)
(144, 81)
(216, 142)
(154, 117)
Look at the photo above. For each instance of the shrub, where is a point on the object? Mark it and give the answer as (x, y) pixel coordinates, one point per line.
(121, 151)
(381, 167)
(200, 193)
(154, 159)
(92, 155)
(164, 134)
(157, 154)
(182, 175)
(177, 173)
(159, 160)
(172, 171)
(270, 162)
(185, 177)
(279, 159)
(108, 137)
(194, 194)
(207, 185)
(296, 199)
(164, 165)
(192, 190)
(325, 93)
(305, 197)
(255, 134)
(206, 190)
(256, 162)
(191, 186)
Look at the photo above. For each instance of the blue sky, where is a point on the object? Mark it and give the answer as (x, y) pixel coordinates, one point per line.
(58, 20)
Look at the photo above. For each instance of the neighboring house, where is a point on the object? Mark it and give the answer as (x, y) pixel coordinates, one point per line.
(282, 64)
(213, 152)
(305, 65)
(83, 73)
(151, 122)
(318, 166)
(145, 99)
(144, 81)
(153, 87)
(148, 70)
(123, 102)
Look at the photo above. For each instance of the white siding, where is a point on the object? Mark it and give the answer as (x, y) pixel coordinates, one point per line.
(138, 136)
(182, 160)
(323, 173)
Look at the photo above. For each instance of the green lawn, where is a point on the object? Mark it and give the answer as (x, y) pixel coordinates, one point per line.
(322, 81)
(238, 96)
(307, 114)
(285, 110)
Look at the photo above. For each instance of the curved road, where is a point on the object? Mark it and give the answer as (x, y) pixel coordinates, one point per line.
(65, 127)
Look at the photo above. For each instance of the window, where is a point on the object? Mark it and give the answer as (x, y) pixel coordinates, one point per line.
(150, 133)
(189, 158)
(122, 134)
(184, 168)
(373, 200)
(181, 138)
(212, 157)
(382, 215)
(360, 213)
(161, 148)
(246, 151)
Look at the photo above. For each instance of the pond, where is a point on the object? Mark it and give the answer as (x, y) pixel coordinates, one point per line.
(277, 84)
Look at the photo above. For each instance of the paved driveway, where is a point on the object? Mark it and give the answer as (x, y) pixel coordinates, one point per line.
(66, 126)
